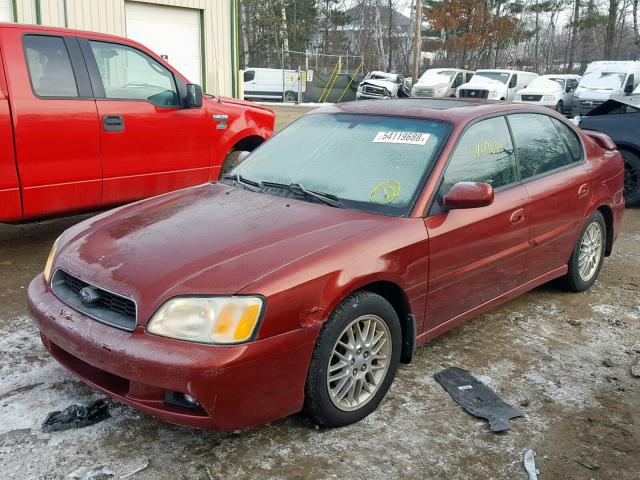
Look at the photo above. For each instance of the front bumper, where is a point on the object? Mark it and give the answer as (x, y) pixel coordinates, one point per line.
(236, 386)
(367, 96)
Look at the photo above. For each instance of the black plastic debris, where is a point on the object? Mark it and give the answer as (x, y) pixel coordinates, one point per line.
(76, 416)
(476, 398)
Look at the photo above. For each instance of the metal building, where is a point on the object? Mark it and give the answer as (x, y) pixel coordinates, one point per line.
(198, 37)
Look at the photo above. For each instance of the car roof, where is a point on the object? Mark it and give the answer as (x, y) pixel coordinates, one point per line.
(560, 75)
(453, 110)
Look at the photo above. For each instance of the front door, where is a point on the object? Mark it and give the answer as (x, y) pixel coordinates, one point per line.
(55, 123)
(550, 158)
(478, 254)
(150, 143)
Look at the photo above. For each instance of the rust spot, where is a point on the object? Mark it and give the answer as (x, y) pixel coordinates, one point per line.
(311, 316)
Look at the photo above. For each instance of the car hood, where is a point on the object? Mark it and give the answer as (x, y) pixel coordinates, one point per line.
(478, 82)
(388, 84)
(544, 90)
(615, 103)
(432, 83)
(213, 239)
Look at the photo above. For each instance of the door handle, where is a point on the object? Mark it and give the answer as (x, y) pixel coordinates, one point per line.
(583, 190)
(517, 217)
(113, 123)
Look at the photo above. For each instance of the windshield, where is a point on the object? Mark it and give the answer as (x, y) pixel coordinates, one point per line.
(603, 80)
(369, 162)
(439, 75)
(546, 82)
(499, 76)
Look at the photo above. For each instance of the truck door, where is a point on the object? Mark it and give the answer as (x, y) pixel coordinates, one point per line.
(10, 207)
(55, 122)
(150, 143)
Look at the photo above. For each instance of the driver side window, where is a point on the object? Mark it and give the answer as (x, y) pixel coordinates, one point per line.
(483, 154)
(129, 74)
(458, 80)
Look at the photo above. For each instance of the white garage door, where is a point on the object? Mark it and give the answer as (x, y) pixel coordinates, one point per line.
(6, 11)
(169, 31)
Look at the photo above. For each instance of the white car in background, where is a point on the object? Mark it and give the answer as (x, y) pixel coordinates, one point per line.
(440, 82)
(495, 84)
(554, 91)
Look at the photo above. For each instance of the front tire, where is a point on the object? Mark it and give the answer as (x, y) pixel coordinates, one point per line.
(354, 361)
(559, 107)
(631, 178)
(588, 254)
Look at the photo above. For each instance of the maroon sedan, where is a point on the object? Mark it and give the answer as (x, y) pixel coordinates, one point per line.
(303, 278)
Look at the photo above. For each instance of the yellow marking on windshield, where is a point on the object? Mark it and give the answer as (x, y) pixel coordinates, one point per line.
(385, 192)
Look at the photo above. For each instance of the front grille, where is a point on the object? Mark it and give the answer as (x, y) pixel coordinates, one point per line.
(424, 92)
(373, 90)
(108, 307)
(531, 98)
(590, 103)
(473, 93)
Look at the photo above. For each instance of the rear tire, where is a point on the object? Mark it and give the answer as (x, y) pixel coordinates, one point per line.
(290, 96)
(588, 254)
(560, 107)
(354, 361)
(631, 178)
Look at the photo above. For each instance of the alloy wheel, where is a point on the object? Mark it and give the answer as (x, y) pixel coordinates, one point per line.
(359, 362)
(590, 251)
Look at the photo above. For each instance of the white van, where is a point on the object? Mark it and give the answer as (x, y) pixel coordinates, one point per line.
(271, 83)
(440, 82)
(553, 91)
(603, 80)
(495, 84)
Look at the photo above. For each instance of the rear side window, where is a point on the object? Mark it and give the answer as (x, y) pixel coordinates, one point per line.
(570, 137)
(484, 154)
(539, 146)
(49, 66)
(249, 75)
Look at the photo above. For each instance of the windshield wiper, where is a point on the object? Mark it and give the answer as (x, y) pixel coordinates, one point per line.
(245, 182)
(299, 189)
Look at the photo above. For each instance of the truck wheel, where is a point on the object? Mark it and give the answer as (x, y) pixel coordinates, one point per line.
(354, 361)
(559, 107)
(290, 96)
(230, 162)
(588, 254)
(631, 177)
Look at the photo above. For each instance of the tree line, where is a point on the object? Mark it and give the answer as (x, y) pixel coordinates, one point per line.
(539, 35)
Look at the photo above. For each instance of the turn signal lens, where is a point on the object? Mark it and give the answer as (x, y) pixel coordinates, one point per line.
(49, 265)
(216, 320)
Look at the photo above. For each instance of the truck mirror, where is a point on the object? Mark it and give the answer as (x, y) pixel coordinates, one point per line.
(194, 96)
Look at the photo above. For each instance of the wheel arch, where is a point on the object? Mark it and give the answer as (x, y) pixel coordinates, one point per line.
(396, 296)
(607, 213)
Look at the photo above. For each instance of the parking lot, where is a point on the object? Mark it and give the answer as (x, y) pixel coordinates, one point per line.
(565, 359)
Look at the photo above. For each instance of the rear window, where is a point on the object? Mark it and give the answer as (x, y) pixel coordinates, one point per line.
(49, 66)
(249, 75)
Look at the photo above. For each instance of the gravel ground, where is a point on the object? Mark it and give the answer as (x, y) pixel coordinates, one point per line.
(565, 359)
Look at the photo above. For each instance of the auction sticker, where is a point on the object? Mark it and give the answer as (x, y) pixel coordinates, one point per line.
(407, 138)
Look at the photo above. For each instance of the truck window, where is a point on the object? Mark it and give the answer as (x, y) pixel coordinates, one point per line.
(128, 74)
(49, 66)
(249, 75)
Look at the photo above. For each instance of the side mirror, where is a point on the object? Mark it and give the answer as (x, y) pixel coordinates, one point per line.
(194, 96)
(469, 195)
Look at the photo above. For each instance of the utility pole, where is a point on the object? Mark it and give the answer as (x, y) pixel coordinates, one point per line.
(417, 47)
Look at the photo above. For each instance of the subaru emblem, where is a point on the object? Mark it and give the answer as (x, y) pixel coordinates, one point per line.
(89, 295)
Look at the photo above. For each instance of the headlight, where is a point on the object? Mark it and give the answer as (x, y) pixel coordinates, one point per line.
(222, 320)
(548, 98)
(46, 273)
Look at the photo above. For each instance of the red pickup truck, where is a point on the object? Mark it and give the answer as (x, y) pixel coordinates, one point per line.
(89, 120)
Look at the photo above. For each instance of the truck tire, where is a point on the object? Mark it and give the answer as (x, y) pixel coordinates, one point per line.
(631, 177)
(290, 96)
(560, 107)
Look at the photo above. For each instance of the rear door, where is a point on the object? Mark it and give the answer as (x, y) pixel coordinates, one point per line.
(150, 143)
(550, 157)
(10, 206)
(55, 122)
(477, 254)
